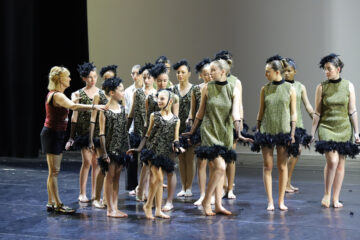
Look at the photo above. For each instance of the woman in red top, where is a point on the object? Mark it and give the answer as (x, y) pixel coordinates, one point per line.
(52, 134)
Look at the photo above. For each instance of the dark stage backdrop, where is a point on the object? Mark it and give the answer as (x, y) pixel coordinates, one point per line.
(35, 35)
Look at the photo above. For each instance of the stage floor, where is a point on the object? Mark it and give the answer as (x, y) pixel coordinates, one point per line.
(23, 215)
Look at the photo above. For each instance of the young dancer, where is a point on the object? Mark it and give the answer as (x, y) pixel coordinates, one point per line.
(114, 142)
(53, 132)
(161, 140)
(337, 122)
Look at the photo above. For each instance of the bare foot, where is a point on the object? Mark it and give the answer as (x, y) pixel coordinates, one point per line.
(283, 207)
(132, 193)
(231, 195)
(116, 214)
(294, 188)
(270, 206)
(168, 207)
(325, 202)
(148, 212)
(83, 199)
(338, 204)
(198, 202)
(289, 190)
(207, 209)
(222, 210)
(181, 193)
(188, 193)
(165, 186)
(212, 200)
(160, 214)
(98, 204)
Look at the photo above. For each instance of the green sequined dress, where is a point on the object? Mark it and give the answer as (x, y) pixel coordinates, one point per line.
(139, 117)
(335, 129)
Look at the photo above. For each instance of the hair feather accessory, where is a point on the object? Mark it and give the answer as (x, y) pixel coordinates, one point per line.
(223, 54)
(85, 69)
(182, 62)
(158, 69)
(108, 68)
(147, 66)
(201, 64)
(276, 57)
(111, 84)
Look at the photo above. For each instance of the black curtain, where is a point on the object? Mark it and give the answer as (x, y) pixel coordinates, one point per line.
(36, 35)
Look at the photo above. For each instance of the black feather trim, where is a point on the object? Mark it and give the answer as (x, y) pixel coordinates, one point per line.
(119, 159)
(270, 140)
(134, 140)
(146, 155)
(104, 166)
(210, 153)
(244, 133)
(301, 137)
(165, 163)
(344, 148)
(81, 142)
(194, 139)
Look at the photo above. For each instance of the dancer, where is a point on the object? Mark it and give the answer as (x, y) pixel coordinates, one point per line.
(336, 119)
(164, 60)
(114, 144)
(231, 167)
(161, 140)
(80, 125)
(203, 69)
(105, 73)
(276, 122)
(53, 132)
(301, 137)
(218, 107)
(138, 115)
(131, 177)
(183, 91)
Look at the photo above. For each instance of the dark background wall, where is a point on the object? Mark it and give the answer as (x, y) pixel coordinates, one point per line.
(35, 35)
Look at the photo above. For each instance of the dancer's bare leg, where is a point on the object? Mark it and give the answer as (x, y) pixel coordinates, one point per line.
(182, 170)
(86, 156)
(230, 173)
(171, 177)
(339, 177)
(291, 166)
(142, 183)
(159, 196)
(332, 160)
(53, 162)
(190, 170)
(94, 173)
(267, 175)
(220, 164)
(202, 179)
(155, 182)
(282, 159)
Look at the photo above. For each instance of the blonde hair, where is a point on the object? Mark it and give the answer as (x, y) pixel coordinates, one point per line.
(55, 76)
(222, 64)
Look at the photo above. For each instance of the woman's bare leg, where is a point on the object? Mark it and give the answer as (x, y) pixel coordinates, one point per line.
(267, 175)
(86, 156)
(339, 177)
(190, 170)
(142, 183)
(159, 195)
(220, 165)
(332, 160)
(171, 177)
(182, 170)
(54, 162)
(94, 173)
(230, 173)
(282, 159)
(291, 166)
(155, 182)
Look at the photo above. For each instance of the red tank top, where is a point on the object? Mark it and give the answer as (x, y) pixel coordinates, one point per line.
(56, 117)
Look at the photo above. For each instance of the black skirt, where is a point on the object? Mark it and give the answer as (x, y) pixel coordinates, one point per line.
(52, 141)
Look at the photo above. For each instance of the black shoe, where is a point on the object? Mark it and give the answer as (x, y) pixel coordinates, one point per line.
(64, 209)
(50, 207)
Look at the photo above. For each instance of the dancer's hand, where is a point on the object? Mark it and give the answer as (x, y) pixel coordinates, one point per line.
(187, 134)
(189, 122)
(69, 143)
(244, 139)
(106, 158)
(91, 146)
(292, 139)
(357, 138)
(100, 107)
(131, 151)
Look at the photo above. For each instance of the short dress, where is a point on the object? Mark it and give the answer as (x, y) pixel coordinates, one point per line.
(158, 150)
(335, 129)
(81, 139)
(276, 123)
(116, 139)
(217, 126)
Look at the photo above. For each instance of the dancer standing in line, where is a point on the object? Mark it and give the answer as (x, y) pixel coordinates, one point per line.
(231, 167)
(159, 73)
(80, 125)
(203, 69)
(183, 91)
(53, 132)
(164, 60)
(276, 122)
(161, 140)
(131, 177)
(138, 115)
(114, 142)
(301, 137)
(218, 108)
(106, 73)
(337, 122)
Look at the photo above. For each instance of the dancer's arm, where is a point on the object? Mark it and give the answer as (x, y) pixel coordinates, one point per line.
(176, 144)
(261, 109)
(75, 98)
(131, 114)
(92, 123)
(306, 102)
(102, 121)
(192, 112)
(316, 115)
(293, 113)
(62, 101)
(353, 113)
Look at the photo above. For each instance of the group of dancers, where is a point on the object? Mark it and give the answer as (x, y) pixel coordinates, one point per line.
(155, 121)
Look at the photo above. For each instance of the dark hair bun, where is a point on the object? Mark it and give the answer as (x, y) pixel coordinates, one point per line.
(201, 64)
(276, 57)
(182, 62)
(85, 69)
(108, 68)
(147, 66)
(158, 69)
(332, 58)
